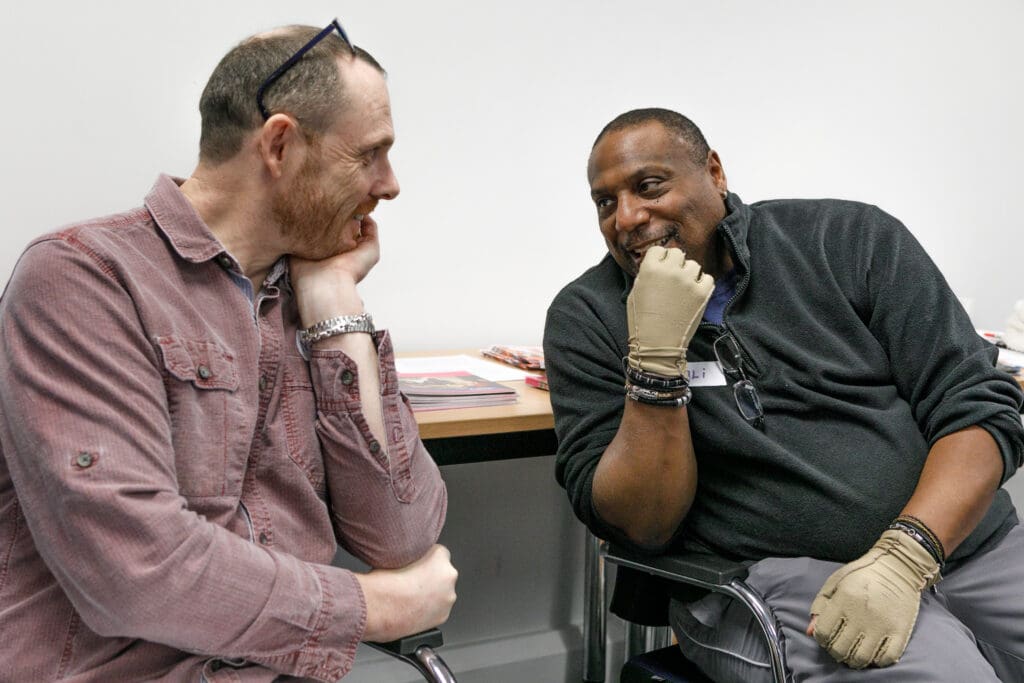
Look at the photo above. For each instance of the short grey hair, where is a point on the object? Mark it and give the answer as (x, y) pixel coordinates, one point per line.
(310, 90)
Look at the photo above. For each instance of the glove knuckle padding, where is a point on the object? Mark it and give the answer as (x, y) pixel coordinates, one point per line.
(867, 609)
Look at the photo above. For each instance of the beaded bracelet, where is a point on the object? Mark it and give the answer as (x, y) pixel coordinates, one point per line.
(924, 537)
(926, 530)
(652, 381)
(653, 397)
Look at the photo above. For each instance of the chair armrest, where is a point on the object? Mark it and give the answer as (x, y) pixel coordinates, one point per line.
(713, 573)
(407, 646)
(417, 651)
(694, 568)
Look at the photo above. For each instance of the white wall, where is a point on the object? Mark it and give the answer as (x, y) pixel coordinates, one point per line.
(914, 106)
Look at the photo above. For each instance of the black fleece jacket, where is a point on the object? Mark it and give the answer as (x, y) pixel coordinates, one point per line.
(861, 354)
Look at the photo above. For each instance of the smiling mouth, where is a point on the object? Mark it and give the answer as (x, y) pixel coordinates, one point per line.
(638, 252)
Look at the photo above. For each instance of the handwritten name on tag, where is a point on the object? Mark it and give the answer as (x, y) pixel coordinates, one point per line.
(705, 374)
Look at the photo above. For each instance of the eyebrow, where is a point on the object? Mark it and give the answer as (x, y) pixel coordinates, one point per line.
(386, 141)
(636, 176)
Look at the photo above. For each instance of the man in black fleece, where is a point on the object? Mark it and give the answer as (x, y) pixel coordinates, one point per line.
(802, 389)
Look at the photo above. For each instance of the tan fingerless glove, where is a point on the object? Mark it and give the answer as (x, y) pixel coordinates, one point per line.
(867, 608)
(664, 310)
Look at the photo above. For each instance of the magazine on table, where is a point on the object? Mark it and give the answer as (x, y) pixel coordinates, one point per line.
(524, 357)
(539, 381)
(458, 389)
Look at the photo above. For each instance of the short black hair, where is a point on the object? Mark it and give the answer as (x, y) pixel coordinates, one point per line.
(672, 120)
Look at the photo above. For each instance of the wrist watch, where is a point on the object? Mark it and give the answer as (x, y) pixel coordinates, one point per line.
(332, 327)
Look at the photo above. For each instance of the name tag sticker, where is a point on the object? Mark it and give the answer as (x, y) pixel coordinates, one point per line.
(705, 374)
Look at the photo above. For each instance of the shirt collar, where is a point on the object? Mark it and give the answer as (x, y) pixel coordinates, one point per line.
(186, 231)
(179, 221)
(735, 227)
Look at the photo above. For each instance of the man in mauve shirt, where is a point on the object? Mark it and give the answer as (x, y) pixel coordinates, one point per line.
(195, 408)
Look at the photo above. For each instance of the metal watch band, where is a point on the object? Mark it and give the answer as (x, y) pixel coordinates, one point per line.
(332, 327)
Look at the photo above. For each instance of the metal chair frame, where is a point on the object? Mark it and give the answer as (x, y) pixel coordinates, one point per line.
(709, 572)
(418, 652)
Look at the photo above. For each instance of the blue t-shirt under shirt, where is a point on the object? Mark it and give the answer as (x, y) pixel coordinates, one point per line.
(725, 287)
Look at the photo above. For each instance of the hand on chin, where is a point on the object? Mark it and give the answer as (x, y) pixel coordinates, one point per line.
(352, 263)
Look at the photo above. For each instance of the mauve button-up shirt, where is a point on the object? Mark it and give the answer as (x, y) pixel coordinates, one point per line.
(175, 476)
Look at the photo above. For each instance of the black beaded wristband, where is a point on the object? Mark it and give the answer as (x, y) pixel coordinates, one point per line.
(659, 398)
(926, 530)
(922, 540)
(652, 381)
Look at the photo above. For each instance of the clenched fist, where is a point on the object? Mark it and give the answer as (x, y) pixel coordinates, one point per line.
(867, 609)
(664, 310)
(400, 602)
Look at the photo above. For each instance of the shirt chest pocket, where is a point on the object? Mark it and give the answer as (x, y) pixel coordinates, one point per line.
(210, 428)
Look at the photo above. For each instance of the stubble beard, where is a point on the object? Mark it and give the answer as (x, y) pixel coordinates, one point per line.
(305, 216)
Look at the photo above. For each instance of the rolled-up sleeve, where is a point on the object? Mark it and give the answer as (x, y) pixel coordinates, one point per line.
(388, 501)
(943, 369)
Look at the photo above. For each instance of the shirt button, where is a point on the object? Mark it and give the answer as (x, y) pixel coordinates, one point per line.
(204, 372)
(347, 377)
(263, 538)
(225, 261)
(84, 460)
(263, 382)
(374, 446)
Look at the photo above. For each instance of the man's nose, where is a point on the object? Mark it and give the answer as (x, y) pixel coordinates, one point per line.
(387, 187)
(630, 213)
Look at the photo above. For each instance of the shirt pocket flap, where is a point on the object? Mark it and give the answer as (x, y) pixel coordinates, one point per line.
(206, 364)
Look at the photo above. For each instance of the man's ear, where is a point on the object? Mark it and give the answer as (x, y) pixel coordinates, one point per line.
(278, 140)
(717, 172)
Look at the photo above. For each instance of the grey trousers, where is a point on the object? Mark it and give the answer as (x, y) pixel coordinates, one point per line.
(970, 631)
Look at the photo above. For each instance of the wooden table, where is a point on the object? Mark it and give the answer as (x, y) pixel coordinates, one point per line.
(459, 436)
(532, 412)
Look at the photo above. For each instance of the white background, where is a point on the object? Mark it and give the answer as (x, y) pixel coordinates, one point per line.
(915, 106)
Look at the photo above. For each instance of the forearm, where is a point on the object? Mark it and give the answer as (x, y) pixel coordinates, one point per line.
(385, 512)
(338, 300)
(957, 485)
(359, 347)
(388, 500)
(646, 479)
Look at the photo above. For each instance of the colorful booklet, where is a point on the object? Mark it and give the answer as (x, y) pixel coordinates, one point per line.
(525, 357)
(539, 381)
(442, 390)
